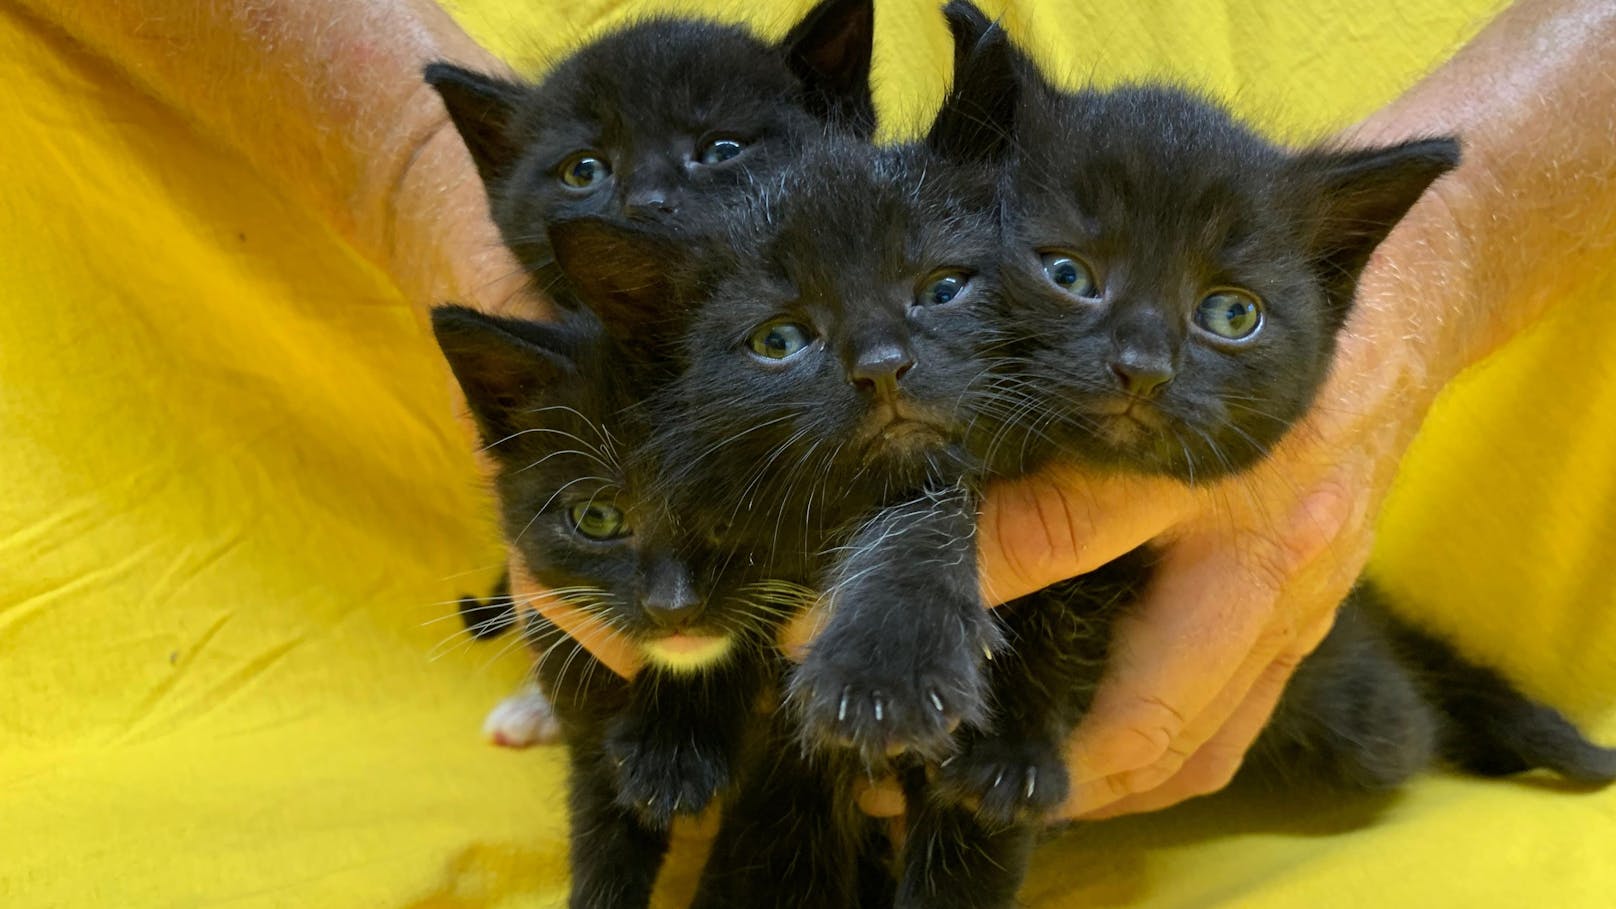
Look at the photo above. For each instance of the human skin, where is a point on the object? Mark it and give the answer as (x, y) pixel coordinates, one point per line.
(326, 99)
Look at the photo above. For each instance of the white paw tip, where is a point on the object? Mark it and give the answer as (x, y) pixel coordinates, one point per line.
(522, 720)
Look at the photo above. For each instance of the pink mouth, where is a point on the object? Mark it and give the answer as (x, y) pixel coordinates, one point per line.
(679, 642)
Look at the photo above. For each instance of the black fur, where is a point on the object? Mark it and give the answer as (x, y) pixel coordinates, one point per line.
(555, 404)
(794, 469)
(649, 102)
(815, 478)
(1163, 198)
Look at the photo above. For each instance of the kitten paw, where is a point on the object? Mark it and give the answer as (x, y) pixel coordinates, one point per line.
(523, 719)
(659, 780)
(857, 691)
(1005, 780)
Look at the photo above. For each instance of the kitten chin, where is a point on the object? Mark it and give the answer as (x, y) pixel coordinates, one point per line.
(688, 653)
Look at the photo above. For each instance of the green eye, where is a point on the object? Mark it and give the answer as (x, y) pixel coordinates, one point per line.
(1071, 274)
(942, 287)
(595, 521)
(1230, 313)
(585, 169)
(720, 150)
(780, 340)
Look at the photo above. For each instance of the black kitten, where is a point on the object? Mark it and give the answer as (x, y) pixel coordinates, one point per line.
(656, 124)
(555, 404)
(781, 427)
(816, 381)
(1174, 285)
(659, 119)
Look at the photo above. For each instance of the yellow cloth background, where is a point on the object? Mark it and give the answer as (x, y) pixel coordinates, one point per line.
(233, 499)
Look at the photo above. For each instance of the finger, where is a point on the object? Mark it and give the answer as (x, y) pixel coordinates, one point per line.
(1317, 592)
(1275, 657)
(800, 631)
(589, 632)
(1218, 759)
(1207, 608)
(1059, 523)
(880, 798)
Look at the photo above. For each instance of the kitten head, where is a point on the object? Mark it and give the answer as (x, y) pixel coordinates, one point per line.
(818, 353)
(555, 408)
(1177, 280)
(820, 350)
(656, 119)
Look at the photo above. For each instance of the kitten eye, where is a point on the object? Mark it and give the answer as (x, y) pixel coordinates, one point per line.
(595, 521)
(1071, 274)
(942, 287)
(585, 169)
(1230, 313)
(780, 340)
(720, 150)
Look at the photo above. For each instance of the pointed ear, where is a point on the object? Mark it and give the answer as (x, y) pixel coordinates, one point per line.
(1356, 197)
(830, 52)
(503, 365)
(977, 119)
(631, 278)
(481, 107)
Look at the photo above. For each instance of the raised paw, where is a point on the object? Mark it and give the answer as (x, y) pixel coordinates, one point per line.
(1006, 780)
(663, 777)
(851, 694)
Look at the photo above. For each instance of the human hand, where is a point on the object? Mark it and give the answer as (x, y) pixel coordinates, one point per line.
(1250, 569)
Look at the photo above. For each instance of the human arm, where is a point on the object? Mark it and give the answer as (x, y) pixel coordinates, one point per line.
(326, 101)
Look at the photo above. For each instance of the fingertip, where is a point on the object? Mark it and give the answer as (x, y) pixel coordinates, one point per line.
(799, 632)
(1099, 753)
(881, 799)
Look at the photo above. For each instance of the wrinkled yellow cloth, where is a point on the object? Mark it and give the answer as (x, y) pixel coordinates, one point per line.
(235, 510)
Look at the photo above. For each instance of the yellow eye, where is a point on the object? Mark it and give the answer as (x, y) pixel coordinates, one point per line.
(780, 340)
(595, 521)
(1071, 274)
(1230, 313)
(720, 150)
(584, 169)
(942, 287)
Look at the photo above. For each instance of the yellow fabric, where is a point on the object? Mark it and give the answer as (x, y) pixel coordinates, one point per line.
(234, 499)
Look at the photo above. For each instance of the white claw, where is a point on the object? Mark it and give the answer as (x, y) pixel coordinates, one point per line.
(1032, 781)
(998, 779)
(987, 653)
(937, 702)
(841, 709)
(878, 710)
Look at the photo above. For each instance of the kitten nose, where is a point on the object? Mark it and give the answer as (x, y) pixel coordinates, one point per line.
(649, 204)
(669, 598)
(672, 614)
(1141, 378)
(879, 367)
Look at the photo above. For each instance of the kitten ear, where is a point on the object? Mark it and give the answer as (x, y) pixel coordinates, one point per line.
(1358, 196)
(628, 276)
(503, 365)
(830, 52)
(481, 107)
(978, 115)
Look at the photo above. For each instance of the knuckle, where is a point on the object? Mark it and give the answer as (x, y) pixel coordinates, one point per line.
(1212, 770)
(1036, 530)
(1170, 765)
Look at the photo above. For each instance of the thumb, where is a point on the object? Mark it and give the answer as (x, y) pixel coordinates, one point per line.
(1061, 522)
